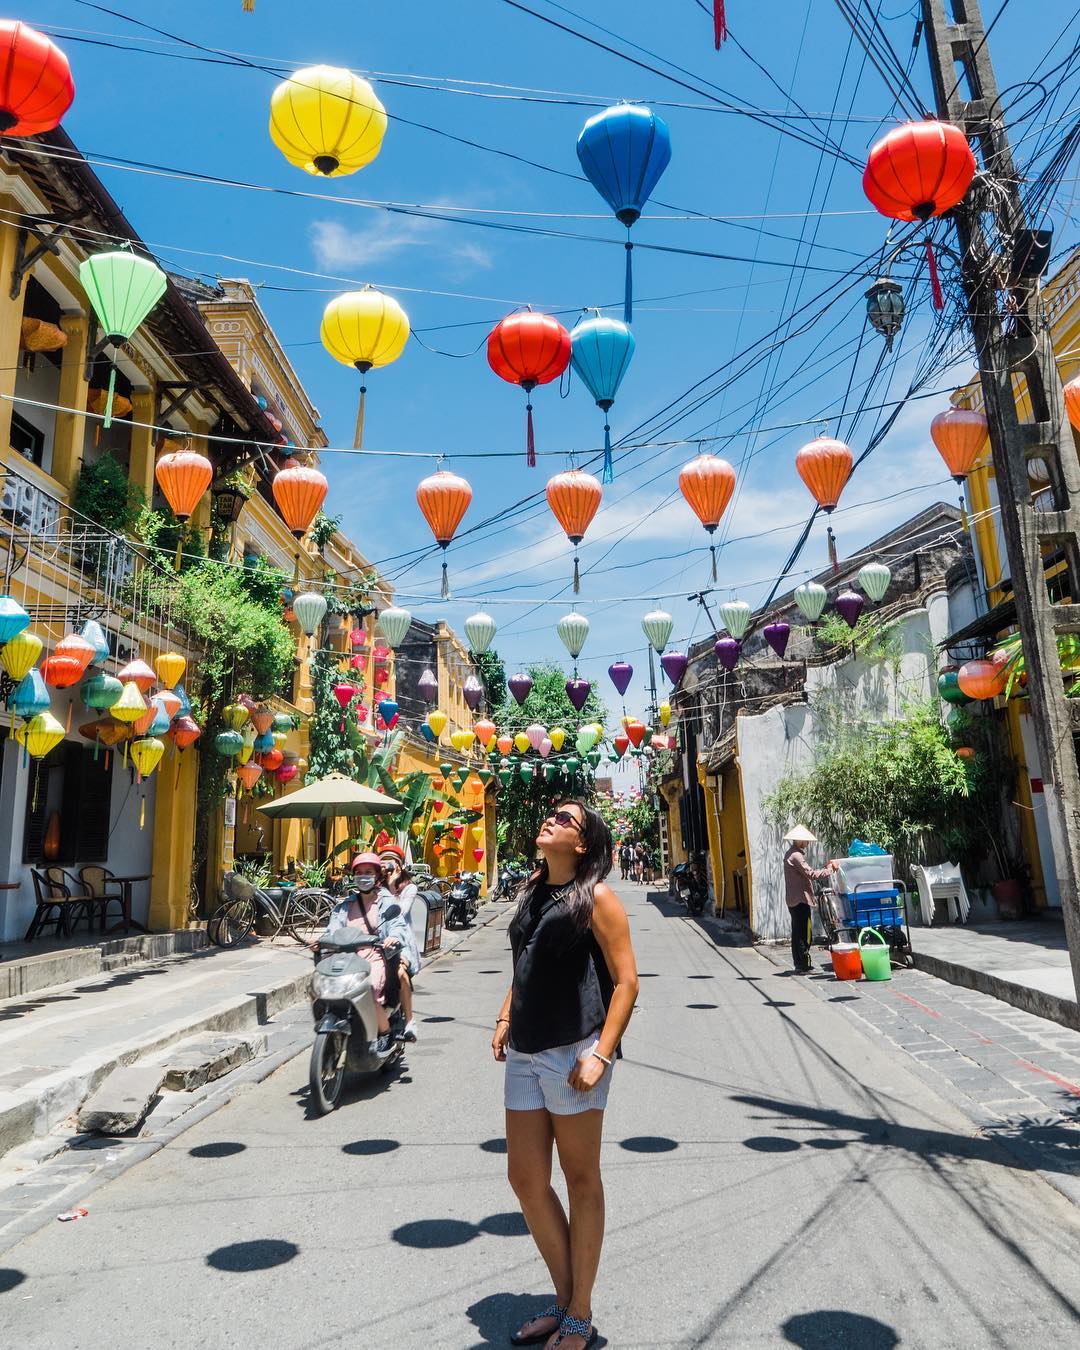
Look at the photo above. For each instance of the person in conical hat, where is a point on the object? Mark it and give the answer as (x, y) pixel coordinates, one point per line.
(799, 877)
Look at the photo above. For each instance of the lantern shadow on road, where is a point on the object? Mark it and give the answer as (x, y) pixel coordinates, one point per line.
(10, 1279)
(829, 1328)
(649, 1143)
(510, 1224)
(221, 1148)
(366, 1147)
(494, 1145)
(262, 1254)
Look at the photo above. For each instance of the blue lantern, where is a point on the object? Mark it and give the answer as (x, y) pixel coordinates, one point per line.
(426, 732)
(388, 710)
(600, 350)
(184, 709)
(264, 743)
(30, 696)
(13, 619)
(623, 151)
(160, 725)
(92, 632)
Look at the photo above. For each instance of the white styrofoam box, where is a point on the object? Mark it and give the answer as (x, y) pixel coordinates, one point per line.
(864, 871)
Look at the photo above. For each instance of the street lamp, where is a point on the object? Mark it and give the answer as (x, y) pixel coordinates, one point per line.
(885, 308)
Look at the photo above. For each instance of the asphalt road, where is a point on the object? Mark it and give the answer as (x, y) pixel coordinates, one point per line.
(776, 1176)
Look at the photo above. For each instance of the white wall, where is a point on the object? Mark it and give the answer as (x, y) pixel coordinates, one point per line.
(783, 740)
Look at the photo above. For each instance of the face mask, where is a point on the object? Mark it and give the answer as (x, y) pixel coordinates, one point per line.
(365, 883)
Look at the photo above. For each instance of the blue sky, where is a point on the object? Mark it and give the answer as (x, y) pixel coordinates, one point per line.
(454, 280)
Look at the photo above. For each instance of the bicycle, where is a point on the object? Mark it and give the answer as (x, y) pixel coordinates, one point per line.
(301, 913)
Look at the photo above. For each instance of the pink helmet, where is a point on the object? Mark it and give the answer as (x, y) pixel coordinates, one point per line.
(371, 859)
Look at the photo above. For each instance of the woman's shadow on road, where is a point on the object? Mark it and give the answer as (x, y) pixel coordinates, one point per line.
(496, 1316)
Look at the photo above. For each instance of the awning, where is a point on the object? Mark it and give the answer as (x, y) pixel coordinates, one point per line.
(985, 628)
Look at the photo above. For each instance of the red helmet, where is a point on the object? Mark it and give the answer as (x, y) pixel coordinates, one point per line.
(393, 851)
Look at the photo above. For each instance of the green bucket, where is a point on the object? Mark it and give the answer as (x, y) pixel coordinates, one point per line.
(876, 962)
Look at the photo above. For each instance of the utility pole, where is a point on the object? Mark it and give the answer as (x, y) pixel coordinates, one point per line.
(1012, 344)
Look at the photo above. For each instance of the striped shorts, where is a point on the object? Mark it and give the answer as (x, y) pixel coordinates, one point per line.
(539, 1082)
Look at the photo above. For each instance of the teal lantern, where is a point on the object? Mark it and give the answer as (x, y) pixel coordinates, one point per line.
(948, 687)
(505, 775)
(572, 765)
(282, 722)
(13, 619)
(526, 772)
(122, 287)
(600, 349)
(228, 743)
(30, 696)
(101, 691)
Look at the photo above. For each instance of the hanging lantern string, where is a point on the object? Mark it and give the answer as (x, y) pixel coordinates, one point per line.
(628, 283)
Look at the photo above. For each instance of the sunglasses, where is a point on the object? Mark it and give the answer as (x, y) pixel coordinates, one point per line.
(564, 818)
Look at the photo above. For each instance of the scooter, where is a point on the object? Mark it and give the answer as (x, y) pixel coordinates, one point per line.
(461, 903)
(511, 875)
(346, 1023)
(687, 887)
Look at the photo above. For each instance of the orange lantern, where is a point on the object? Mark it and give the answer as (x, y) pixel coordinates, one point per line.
(443, 498)
(707, 483)
(262, 719)
(983, 679)
(272, 760)
(184, 731)
(170, 702)
(505, 744)
(574, 498)
(824, 466)
(61, 672)
(75, 646)
(959, 434)
(1072, 401)
(183, 476)
(299, 492)
(249, 774)
(138, 673)
(967, 752)
(485, 730)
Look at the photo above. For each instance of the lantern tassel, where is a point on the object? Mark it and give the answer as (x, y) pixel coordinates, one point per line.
(964, 515)
(609, 465)
(106, 421)
(37, 784)
(358, 439)
(142, 811)
(445, 582)
(577, 575)
(712, 554)
(69, 717)
(249, 6)
(628, 286)
(179, 552)
(530, 439)
(719, 20)
(832, 551)
(936, 297)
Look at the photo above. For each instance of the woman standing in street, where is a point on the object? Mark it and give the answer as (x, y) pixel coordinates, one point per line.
(574, 988)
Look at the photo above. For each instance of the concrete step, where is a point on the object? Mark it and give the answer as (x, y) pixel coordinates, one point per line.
(191, 1063)
(120, 1104)
(27, 967)
(56, 1048)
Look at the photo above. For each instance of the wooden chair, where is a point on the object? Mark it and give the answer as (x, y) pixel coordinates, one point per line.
(54, 905)
(80, 905)
(102, 890)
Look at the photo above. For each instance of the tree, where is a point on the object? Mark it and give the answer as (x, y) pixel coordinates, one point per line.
(492, 677)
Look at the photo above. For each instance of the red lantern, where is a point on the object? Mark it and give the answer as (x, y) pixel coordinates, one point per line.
(621, 741)
(36, 88)
(137, 672)
(459, 830)
(61, 672)
(272, 760)
(185, 731)
(919, 170)
(299, 492)
(286, 773)
(959, 435)
(183, 476)
(443, 497)
(249, 774)
(344, 693)
(707, 483)
(824, 466)
(529, 349)
(574, 498)
(78, 648)
(478, 854)
(635, 731)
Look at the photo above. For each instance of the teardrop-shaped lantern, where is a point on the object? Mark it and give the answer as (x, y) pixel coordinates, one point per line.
(29, 696)
(364, 329)
(528, 349)
(36, 88)
(776, 634)
(959, 434)
(520, 685)
(600, 349)
(574, 498)
(394, 624)
(621, 673)
(146, 755)
(183, 476)
(170, 667)
(824, 465)
(235, 716)
(657, 626)
(310, 610)
(810, 598)
(327, 121)
(557, 737)
(485, 731)
(727, 651)
(873, 579)
(573, 629)
(849, 605)
(13, 619)
(20, 653)
(664, 713)
(443, 498)
(92, 632)
(735, 616)
(480, 629)
(473, 692)
(40, 734)
(919, 170)
(76, 647)
(623, 151)
(427, 686)
(674, 665)
(577, 691)
(521, 742)
(299, 492)
(707, 483)
(437, 720)
(122, 288)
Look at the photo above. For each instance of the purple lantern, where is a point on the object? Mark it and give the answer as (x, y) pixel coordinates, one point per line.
(473, 691)
(427, 686)
(519, 685)
(776, 635)
(727, 651)
(621, 673)
(849, 605)
(674, 664)
(577, 691)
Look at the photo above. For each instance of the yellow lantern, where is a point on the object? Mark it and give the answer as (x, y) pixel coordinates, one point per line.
(327, 121)
(146, 755)
(40, 735)
(467, 738)
(20, 654)
(665, 713)
(364, 329)
(130, 706)
(521, 742)
(556, 736)
(235, 716)
(436, 720)
(246, 753)
(170, 667)
(456, 740)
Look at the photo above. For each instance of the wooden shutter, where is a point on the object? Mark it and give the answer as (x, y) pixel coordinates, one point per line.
(37, 796)
(87, 802)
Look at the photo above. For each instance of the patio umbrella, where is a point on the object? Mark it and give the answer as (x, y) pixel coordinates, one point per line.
(334, 795)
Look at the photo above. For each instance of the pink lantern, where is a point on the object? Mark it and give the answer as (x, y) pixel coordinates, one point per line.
(357, 662)
(357, 639)
(536, 734)
(478, 854)
(545, 747)
(286, 773)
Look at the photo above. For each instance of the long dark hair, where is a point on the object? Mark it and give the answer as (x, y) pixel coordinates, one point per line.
(593, 866)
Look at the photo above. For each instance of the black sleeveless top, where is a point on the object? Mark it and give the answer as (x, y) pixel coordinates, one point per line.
(562, 986)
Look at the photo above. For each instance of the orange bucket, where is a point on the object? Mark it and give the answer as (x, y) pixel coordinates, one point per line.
(846, 960)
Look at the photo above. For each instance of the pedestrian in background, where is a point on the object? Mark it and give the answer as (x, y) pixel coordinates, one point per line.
(574, 987)
(626, 857)
(799, 877)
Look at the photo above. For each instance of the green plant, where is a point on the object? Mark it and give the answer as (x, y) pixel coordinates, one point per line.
(313, 873)
(259, 871)
(323, 528)
(492, 677)
(870, 638)
(104, 495)
(161, 533)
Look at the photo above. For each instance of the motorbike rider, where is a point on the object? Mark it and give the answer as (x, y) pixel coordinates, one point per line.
(392, 969)
(399, 878)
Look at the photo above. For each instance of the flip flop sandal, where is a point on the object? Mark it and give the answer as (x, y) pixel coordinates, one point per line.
(577, 1326)
(541, 1338)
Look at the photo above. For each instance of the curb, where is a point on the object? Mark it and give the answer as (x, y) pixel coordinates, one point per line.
(1035, 1001)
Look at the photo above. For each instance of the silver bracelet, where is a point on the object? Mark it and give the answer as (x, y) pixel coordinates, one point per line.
(602, 1058)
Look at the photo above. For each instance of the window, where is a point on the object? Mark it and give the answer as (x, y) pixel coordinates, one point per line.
(27, 439)
(72, 782)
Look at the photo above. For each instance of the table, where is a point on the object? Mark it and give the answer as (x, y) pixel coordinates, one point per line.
(125, 884)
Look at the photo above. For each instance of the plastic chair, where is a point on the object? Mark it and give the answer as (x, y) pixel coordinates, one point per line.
(942, 882)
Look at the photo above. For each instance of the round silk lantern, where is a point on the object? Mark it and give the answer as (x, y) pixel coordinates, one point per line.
(36, 88)
(874, 578)
(235, 716)
(228, 743)
(528, 349)
(707, 483)
(61, 672)
(101, 691)
(959, 434)
(170, 668)
(919, 170)
(504, 744)
(982, 679)
(810, 597)
(170, 703)
(299, 492)
(394, 624)
(272, 760)
(949, 689)
(310, 610)
(600, 349)
(327, 121)
(20, 653)
(573, 629)
(184, 732)
(40, 734)
(657, 626)
(443, 498)
(574, 498)
(138, 673)
(736, 615)
(364, 329)
(285, 773)
(824, 465)
(183, 476)
(674, 665)
(535, 735)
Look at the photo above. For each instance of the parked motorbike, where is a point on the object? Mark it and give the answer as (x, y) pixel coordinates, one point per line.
(461, 903)
(687, 885)
(346, 1022)
(511, 875)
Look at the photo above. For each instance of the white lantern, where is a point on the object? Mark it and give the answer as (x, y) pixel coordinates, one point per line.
(657, 626)
(736, 618)
(394, 623)
(480, 629)
(310, 610)
(874, 580)
(573, 628)
(810, 598)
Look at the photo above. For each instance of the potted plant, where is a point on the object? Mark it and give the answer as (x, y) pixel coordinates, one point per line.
(1011, 891)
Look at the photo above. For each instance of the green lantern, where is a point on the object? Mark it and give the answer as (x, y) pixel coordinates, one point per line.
(526, 771)
(572, 765)
(948, 686)
(485, 776)
(593, 757)
(504, 776)
(122, 287)
(550, 770)
(446, 768)
(228, 743)
(460, 778)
